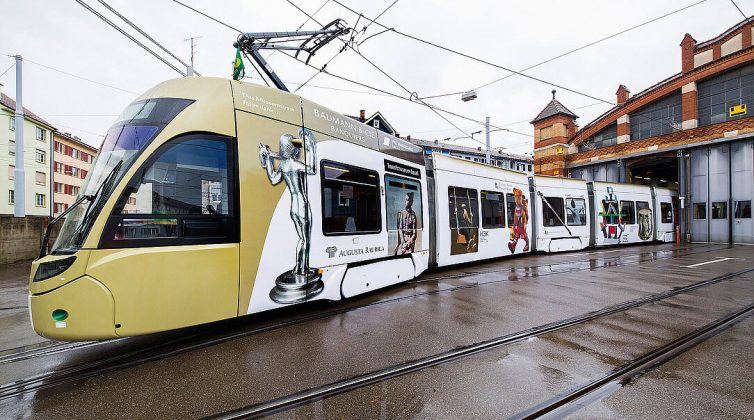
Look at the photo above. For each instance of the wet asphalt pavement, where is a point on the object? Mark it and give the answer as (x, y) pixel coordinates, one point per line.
(442, 311)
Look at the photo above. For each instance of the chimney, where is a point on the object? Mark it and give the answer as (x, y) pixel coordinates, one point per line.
(621, 95)
(408, 137)
(688, 46)
(362, 115)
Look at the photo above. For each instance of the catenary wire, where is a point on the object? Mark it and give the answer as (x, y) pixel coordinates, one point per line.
(574, 50)
(740, 11)
(129, 36)
(346, 79)
(79, 77)
(146, 35)
(8, 69)
(477, 59)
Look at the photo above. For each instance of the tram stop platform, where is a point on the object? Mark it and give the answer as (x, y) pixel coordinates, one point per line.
(625, 332)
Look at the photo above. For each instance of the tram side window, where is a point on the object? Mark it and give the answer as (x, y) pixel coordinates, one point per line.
(552, 211)
(700, 210)
(463, 209)
(184, 191)
(510, 203)
(350, 200)
(576, 212)
(493, 210)
(627, 209)
(743, 209)
(666, 212)
(720, 210)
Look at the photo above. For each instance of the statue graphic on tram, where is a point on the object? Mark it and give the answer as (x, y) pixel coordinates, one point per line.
(301, 282)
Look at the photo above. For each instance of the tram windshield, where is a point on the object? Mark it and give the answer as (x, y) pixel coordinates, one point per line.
(131, 133)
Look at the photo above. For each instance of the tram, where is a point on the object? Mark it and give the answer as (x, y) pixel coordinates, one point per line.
(212, 199)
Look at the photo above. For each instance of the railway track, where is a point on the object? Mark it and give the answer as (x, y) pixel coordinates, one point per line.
(574, 399)
(52, 348)
(342, 386)
(165, 350)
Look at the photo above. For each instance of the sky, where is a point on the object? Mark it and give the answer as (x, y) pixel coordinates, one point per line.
(79, 73)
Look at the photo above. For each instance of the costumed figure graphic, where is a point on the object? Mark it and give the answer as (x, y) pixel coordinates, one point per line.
(301, 282)
(645, 224)
(520, 219)
(406, 227)
(612, 225)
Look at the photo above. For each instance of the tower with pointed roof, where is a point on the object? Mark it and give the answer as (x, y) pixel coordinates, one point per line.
(552, 128)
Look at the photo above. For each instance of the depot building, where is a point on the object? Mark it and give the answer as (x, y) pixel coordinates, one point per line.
(692, 132)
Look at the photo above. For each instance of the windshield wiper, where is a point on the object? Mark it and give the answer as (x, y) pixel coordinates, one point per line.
(46, 237)
(91, 212)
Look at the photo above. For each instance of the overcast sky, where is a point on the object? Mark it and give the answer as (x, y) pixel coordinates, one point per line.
(63, 35)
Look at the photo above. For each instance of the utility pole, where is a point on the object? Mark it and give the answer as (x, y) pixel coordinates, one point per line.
(487, 131)
(190, 69)
(19, 185)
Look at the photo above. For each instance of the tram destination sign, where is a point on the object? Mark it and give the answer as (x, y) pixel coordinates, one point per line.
(399, 168)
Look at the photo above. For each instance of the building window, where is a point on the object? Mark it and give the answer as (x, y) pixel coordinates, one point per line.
(718, 94)
(666, 212)
(658, 118)
(58, 187)
(40, 178)
(350, 200)
(12, 148)
(376, 124)
(75, 153)
(720, 210)
(12, 123)
(40, 200)
(628, 212)
(58, 167)
(11, 172)
(576, 212)
(552, 211)
(40, 156)
(59, 147)
(493, 210)
(463, 208)
(41, 133)
(607, 137)
(75, 171)
(11, 197)
(743, 210)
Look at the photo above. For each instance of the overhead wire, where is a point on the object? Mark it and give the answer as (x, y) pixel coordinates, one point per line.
(131, 37)
(79, 77)
(473, 58)
(146, 35)
(740, 11)
(349, 80)
(8, 69)
(572, 50)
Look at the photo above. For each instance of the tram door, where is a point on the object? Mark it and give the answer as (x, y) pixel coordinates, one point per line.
(719, 193)
(742, 161)
(699, 184)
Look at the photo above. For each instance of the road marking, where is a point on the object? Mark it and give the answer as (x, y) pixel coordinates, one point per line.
(709, 262)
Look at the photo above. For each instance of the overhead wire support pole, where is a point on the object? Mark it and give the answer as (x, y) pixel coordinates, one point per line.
(129, 36)
(19, 173)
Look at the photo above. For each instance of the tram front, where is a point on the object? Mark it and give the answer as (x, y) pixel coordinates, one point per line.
(153, 226)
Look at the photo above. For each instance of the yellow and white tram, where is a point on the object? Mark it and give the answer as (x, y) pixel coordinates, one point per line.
(212, 199)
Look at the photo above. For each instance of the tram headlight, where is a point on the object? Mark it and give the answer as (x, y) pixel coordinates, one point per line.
(53, 268)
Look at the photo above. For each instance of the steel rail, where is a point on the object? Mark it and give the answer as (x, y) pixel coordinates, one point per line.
(26, 354)
(41, 350)
(574, 399)
(339, 387)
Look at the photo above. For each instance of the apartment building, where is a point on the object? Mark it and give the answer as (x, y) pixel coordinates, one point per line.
(37, 150)
(72, 159)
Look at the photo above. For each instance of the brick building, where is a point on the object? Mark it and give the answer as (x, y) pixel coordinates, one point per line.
(691, 132)
(72, 159)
